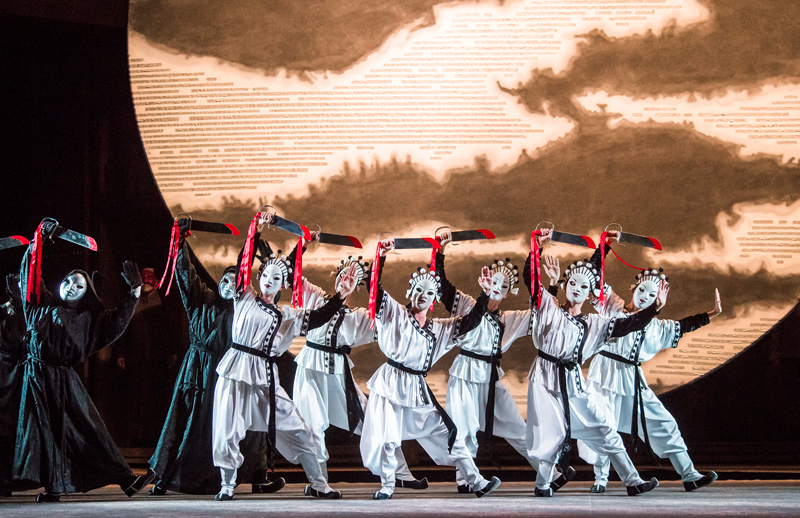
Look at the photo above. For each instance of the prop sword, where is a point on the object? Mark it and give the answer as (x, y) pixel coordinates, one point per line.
(627, 237)
(216, 228)
(75, 238)
(12, 241)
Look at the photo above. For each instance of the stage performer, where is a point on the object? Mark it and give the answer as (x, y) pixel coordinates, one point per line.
(247, 395)
(324, 390)
(476, 398)
(559, 407)
(618, 384)
(401, 405)
(62, 443)
(12, 369)
(183, 459)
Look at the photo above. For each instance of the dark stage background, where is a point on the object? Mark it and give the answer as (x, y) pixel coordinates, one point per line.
(71, 150)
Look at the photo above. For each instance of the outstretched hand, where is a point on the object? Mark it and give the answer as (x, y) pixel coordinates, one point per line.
(661, 298)
(348, 282)
(717, 305)
(485, 280)
(552, 268)
(131, 274)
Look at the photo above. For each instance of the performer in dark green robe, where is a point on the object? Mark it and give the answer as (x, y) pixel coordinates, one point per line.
(182, 460)
(62, 442)
(12, 358)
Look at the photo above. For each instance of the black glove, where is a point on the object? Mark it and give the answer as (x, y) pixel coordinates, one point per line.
(130, 272)
(185, 224)
(49, 227)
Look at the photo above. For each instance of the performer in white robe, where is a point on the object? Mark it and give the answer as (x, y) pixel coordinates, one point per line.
(559, 407)
(476, 398)
(401, 405)
(617, 381)
(248, 396)
(324, 390)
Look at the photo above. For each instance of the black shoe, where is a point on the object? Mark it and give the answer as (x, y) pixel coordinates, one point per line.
(47, 497)
(563, 479)
(464, 489)
(330, 495)
(270, 486)
(412, 484)
(139, 482)
(489, 487)
(157, 491)
(223, 497)
(543, 492)
(597, 488)
(638, 489)
(707, 479)
(381, 496)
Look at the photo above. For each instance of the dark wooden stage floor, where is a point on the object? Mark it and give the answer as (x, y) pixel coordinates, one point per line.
(724, 498)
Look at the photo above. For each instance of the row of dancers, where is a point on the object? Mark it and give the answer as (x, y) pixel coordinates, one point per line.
(227, 391)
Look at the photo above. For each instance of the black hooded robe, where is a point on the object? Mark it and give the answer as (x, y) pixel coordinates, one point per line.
(12, 358)
(62, 442)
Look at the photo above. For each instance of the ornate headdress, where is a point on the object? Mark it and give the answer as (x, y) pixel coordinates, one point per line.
(419, 276)
(509, 270)
(281, 262)
(583, 267)
(362, 267)
(650, 274)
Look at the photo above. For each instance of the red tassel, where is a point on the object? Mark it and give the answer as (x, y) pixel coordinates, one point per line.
(243, 279)
(172, 256)
(602, 298)
(35, 269)
(433, 267)
(297, 284)
(536, 266)
(373, 287)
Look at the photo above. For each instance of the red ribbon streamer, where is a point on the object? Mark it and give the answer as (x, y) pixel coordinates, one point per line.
(373, 287)
(297, 284)
(172, 255)
(35, 269)
(243, 278)
(536, 285)
(432, 268)
(602, 298)
(626, 264)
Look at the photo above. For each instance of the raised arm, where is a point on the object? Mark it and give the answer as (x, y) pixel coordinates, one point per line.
(640, 319)
(194, 293)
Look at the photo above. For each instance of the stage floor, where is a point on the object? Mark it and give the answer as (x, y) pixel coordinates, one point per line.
(724, 498)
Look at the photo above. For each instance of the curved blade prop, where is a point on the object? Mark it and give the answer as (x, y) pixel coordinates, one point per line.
(75, 238)
(469, 235)
(647, 242)
(216, 228)
(572, 239)
(12, 241)
(291, 227)
(409, 243)
(339, 239)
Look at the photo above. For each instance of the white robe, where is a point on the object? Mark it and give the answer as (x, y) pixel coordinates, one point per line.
(399, 406)
(613, 385)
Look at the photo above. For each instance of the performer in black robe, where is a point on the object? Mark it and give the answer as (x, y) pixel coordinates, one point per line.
(62, 443)
(12, 358)
(182, 460)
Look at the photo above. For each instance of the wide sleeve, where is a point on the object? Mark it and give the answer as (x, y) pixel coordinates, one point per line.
(194, 293)
(29, 308)
(363, 332)
(455, 301)
(622, 326)
(526, 276)
(313, 296)
(256, 239)
(614, 305)
(105, 327)
(320, 316)
(668, 332)
(516, 324)
(379, 288)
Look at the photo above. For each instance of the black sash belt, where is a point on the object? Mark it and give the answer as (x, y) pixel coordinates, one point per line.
(451, 427)
(563, 366)
(271, 430)
(355, 413)
(493, 379)
(638, 401)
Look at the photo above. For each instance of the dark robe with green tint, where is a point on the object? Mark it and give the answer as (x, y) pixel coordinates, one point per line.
(62, 443)
(183, 458)
(12, 358)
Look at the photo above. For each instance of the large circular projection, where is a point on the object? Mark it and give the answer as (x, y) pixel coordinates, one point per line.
(676, 120)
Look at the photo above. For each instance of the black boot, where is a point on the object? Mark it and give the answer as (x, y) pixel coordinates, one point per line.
(47, 497)
(707, 479)
(269, 486)
(563, 479)
(543, 492)
(489, 487)
(598, 488)
(638, 489)
(330, 495)
(464, 489)
(131, 486)
(157, 490)
(412, 484)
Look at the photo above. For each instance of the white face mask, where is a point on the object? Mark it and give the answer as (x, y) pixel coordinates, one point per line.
(645, 294)
(227, 286)
(423, 294)
(500, 286)
(578, 287)
(72, 288)
(271, 280)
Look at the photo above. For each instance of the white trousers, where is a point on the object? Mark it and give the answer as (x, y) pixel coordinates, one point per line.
(466, 405)
(239, 407)
(547, 430)
(387, 424)
(665, 438)
(320, 398)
